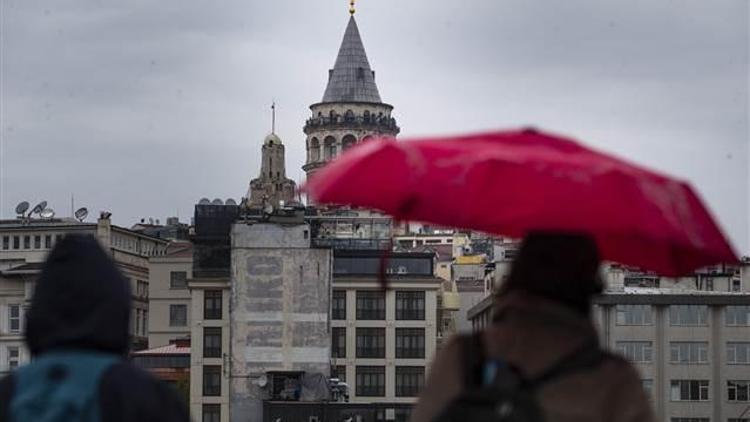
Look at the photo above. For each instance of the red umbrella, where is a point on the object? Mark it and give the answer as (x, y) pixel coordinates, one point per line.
(511, 183)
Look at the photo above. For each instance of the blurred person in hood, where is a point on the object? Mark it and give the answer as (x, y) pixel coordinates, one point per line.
(77, 333)
(540, 359)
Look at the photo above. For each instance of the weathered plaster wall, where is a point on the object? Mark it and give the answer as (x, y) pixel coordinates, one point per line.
(279, 305)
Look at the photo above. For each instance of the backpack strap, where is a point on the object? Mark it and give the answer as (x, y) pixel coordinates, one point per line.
(590, 355)
(473, 357)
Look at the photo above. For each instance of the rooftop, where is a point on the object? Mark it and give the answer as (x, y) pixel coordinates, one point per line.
(351, 79)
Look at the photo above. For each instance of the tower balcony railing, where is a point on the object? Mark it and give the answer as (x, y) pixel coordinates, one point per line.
(379, 123)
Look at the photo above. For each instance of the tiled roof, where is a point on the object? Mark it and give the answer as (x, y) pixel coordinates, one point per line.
(351, 79)
(171, 349)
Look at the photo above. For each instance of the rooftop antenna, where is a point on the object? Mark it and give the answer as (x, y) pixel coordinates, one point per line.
(82, 213)
(352, 10)
(21, 208)
(273, 117)
(38, 208)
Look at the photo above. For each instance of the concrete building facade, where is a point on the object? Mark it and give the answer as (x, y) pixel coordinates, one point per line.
(169, 298)
(382, 341)
(209, 311)
(279, 317)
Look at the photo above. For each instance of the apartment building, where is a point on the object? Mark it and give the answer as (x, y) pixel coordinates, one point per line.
(24, 245)
(382, 340)
(208, 314)
(169, 298)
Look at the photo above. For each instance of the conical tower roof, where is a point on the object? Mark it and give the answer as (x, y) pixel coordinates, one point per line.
(351, 79)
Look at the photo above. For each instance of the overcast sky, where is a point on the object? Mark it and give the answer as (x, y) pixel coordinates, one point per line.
(143, 107)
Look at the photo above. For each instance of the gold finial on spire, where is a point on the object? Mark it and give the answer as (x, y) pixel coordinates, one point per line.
(352, 10)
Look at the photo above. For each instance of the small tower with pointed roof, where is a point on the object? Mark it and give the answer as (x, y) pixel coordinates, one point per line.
(271, 186)
(351, 110)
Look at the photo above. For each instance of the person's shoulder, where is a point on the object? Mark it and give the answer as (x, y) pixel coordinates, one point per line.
(617, 363)
(134, 394)
(7, 385)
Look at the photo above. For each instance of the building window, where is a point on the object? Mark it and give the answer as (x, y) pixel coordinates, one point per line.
(6, 243)
(636, 351)
(688, 315)
(410, 305)
(338, 342)
(736, 285)
(178, 280)
(37, 242)
(141, 289)
(688, 352)
(738, 391)
(634, 315)
(370, 381)
(27, 242)
(370, 342)
(16, 242)
(402, 414)
(212, 342)
(177, 315)
(145, 323)
(370, 305)
(410, 343)
(738, 315)
(211, 413)
(48, 241)
(212, 304)
(137, 324)
(409, 380)
(338, 305)
(689, 390)
(14, 357)
(738, 352)
(339, 372)
(212, 380)
(648, 387)
(641, 280)
(14, 319)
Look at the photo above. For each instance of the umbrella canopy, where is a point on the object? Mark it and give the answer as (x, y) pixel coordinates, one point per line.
(514, 182)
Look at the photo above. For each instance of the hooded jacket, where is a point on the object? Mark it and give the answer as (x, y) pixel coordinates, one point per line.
(82, 303)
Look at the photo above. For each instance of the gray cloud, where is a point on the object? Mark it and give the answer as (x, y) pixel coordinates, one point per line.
(144, 107)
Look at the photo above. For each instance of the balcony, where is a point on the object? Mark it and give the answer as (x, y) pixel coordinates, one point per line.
(376, 124)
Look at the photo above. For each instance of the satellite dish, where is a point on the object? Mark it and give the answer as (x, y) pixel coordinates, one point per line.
(230, 201)
(217, 201)
(22, 208)
(47, 213)
(81, 214)
(38, 208)
(262, 381)
(204, 201)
